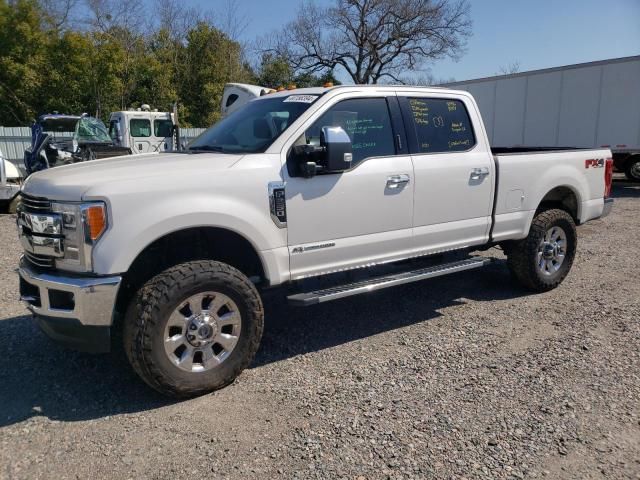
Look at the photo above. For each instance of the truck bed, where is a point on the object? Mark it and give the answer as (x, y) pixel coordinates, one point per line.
(525, 175)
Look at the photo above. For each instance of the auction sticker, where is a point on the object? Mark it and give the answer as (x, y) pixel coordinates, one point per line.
(301, 98)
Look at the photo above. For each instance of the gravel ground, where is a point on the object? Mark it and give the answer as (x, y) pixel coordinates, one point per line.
(466, 376)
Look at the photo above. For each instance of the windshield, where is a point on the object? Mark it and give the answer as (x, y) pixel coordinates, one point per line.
(91, 129)
(253, 127)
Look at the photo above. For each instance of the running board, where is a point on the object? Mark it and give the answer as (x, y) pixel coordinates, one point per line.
(378, 283)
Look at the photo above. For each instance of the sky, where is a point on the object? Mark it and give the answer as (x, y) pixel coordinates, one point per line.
(534, 33)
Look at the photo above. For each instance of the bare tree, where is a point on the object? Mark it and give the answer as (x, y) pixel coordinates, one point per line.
(58, 13)
(513, 67)
(110, 15)
(374, 40)
(233, 23)
(428, 80)
(125, 23)
(177, 19)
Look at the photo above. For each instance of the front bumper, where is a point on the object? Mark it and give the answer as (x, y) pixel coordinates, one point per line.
(9, 191)
(608, 205)
(71, 309)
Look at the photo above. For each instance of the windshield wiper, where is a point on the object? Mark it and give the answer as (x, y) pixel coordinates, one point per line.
(207, 148)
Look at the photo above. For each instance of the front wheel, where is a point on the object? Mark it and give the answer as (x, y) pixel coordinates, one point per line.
(193, 328)
(541, 261)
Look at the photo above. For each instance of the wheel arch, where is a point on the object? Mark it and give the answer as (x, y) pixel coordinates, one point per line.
(563, 197)
(204, 243)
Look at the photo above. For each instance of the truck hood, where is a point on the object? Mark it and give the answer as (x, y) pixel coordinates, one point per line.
(71, 182)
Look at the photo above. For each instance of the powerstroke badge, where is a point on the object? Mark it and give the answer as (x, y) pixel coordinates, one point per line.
(313, 247)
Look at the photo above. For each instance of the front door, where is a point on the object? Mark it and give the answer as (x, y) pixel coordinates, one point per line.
(140, 135)
(338, 221)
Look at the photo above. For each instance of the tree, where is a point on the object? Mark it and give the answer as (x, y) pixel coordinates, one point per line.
(277, 72)
(274, 71)
(374, 40)
(203, 73)
(428, 80)
(23, 58)
(513, 67)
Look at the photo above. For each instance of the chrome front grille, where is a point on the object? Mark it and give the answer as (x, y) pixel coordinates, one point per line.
(34, 204)
(39, 230)
(41, 261)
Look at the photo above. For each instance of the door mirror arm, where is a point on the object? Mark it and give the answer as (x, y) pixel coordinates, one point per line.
(311, 169)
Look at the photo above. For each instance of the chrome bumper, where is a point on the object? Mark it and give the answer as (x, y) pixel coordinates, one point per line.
(9, 191)
(608, 205)
(89, 300)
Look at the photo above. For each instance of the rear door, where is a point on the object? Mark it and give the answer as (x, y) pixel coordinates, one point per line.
(453, 170)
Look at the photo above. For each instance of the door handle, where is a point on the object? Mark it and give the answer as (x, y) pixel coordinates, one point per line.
(396, 181)
(478, 173)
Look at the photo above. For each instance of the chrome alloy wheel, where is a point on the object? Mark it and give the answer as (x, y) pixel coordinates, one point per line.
(202, 331)
(635, 170)
(552, 250)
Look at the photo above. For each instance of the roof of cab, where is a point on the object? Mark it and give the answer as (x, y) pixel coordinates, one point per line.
(323, 90)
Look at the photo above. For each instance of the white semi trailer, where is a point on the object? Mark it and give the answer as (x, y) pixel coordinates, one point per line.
(589, 105)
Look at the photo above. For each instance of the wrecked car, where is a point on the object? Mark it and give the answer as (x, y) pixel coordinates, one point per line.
(10, 181)
(63, 139)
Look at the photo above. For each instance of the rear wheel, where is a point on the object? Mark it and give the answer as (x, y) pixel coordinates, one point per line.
(632, 168)
(193, 328)
(542, 261)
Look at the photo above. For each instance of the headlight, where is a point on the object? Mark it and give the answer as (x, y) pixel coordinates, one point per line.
(82, 225)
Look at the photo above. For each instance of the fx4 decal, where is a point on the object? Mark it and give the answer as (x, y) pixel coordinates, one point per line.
(594, 163)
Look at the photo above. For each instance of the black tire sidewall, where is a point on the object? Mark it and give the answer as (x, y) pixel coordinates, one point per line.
(221, 373)
(564, 221)
(627, 171)
(149, 312)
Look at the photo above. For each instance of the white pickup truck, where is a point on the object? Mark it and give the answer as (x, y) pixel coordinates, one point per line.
(169, 253)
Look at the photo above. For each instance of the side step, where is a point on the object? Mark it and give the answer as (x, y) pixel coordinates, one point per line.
(378, 283)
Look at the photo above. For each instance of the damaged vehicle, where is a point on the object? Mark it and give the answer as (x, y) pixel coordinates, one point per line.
(10, 181)
(63, 139)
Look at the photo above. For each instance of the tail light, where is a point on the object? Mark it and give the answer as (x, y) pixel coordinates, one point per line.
(608, 177)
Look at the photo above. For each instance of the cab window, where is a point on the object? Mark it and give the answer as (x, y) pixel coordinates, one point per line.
(366, 121)
(140, 127)
(162, 128)
(114, 130)
(440, 125)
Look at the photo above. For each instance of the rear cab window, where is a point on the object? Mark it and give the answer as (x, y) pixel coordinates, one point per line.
(140, 127)
(438, 125)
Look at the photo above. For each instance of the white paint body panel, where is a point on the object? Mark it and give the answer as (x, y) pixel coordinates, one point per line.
(150, 196)
(534, 175)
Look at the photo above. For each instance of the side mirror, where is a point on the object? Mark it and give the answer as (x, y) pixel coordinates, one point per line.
(337, 147)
